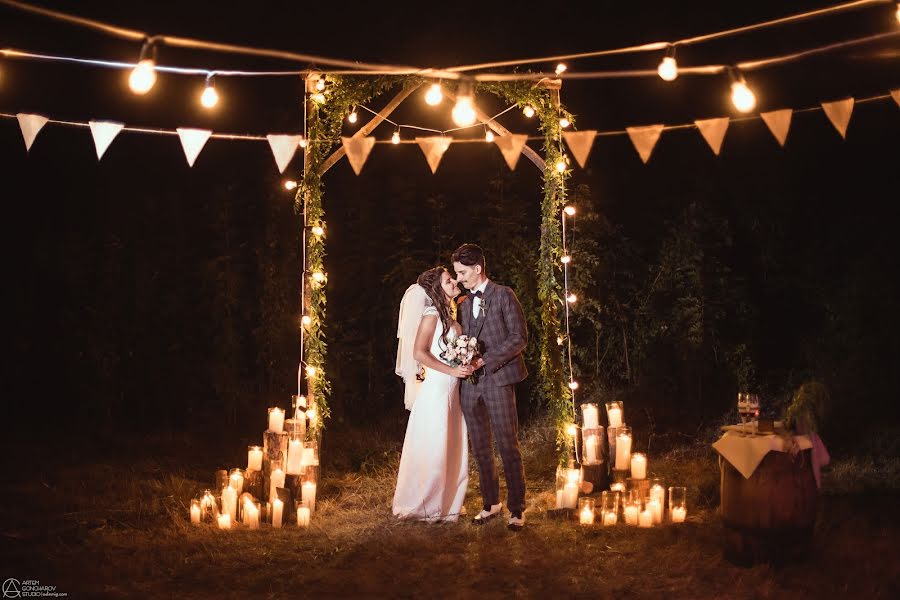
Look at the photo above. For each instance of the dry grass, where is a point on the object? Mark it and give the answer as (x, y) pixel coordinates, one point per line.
(120, 529)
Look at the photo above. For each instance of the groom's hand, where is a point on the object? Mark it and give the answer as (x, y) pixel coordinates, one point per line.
(477, 363)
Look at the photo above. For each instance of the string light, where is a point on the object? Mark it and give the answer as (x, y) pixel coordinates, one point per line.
(571, 298)
(434, 95)
(352, 117)
(742, 96)
(318, 98)
(560, 68)
(565, 259)
(302, 142)
(571, 429)
(488, 135)
(210, 97)
(311, 372)
(143, 76)
(290, 184)
(569, 210)
(306, 320)
(320, 84)
(464, 111)
(559, 340)
(564, 122)
(573, 385)
(317, 230)
(528, 111)
(562, 164)
(668, 67)
(318, 277)
(395, 139)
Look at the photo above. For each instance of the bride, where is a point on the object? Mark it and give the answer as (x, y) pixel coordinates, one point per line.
(434, 465)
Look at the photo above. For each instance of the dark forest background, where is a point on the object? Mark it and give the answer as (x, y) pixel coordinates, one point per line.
(144, 295)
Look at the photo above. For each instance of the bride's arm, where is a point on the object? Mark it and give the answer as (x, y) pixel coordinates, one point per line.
(422, 350)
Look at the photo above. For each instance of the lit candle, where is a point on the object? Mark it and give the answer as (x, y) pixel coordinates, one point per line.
(610, 518)
(591, 416)
(229, 502)
(623, 449)
(277, 508)
(251, 515)
(678, 514)
(308, 457)
(657, 495)
(208, 503)
(276, 420)
(302, 516)
(570, 495)
(586, 516)
(295, 456)
(631, 515)
(617, 487)
(237, 480)
(276, 481)
(638, 466)
(308, 495)
(559, 499)
(195, 511)
(254, 458)
(614, 414)
(655, 509)
(645, 519)
(224, 521)
(591, 445)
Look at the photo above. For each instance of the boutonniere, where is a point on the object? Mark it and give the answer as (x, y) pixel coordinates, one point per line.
(484, 306)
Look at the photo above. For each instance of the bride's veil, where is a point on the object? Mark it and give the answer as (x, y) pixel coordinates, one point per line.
(414, 302)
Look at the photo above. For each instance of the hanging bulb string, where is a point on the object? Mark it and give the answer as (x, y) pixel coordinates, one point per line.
(440, 131)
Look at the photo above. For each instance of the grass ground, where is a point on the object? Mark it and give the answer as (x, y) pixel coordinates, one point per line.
(119, 528)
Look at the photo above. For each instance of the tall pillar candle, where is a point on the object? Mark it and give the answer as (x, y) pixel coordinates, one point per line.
(308, 495)
(303, 515)
(275, 481)
(631, 514)
(277, 510)
(657, 499)
(295, 457)
(638, 466)
(645, 518)
(196, 512)
(224, 521)
(623, 448)
(592, 448)
(590, 416)
(254, 458)
(276, 420)
(614, 413)
(229, 502)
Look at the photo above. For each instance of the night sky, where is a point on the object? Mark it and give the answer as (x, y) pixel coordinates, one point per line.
(117, 268)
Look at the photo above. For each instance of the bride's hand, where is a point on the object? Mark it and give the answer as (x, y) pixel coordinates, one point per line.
(463, 371)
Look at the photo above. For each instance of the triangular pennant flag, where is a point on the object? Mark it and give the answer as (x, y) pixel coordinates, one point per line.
(511, 147)
(358, 149)
(192, 140)
(580, 143)
(644, 139)
(434, 147)
(838, 113)
(283, 148)
(779, 122)
(104, 132)
(896, 95)
(713, 131)
(30, 126)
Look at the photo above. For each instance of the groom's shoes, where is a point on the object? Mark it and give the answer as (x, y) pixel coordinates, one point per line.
(487, 514)
(516, 521)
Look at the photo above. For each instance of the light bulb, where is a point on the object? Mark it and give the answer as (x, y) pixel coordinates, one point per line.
(311, 411)
(564, 122)
(352, 117)
(306, 320)
(320, 85)
(561, 165)
(489, 136)
(571, 429)
(565, 259)
(560, 68)
(528, 111)
(573, 385)
(290, 184)
(668, 69)
(302, 142)
(569, 210)
(395, 139)
(143, 76)
(210, 97)
(742, 97)
(310, 372)
(318, 277)
(571, 298)
(464, 112)
(318, 230)
(318, 98)
(434, 95)
(559, 340)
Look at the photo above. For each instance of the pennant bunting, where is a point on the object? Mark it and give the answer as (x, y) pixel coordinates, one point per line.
(580, 143)
(896, 95)
(511, 147)
(283, 148)
(192, 140)
(838, 113)
(30, 126)
(434, 147)
(358, 149)
(713, 131)
(644, 139)
(104, 132)
(779, 123)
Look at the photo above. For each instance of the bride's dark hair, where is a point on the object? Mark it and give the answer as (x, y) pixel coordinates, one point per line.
(430, 280)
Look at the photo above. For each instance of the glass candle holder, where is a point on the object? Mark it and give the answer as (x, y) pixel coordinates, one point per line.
(568, 482)
(236, 480)
(229, 501)
(609, 508)
(294, 457)
(632, 505)
(251, 513)
(623, 448)
(615, 414)
(677, 504)
(656, 499)
(638, 465)
(196, 511)
(224, 521)
(208, 504)
(310, 456)
(254, 458)
(303, 514)
(276, 420)
(276, 480)
(277, 513)
(221, 480)
(296, 428)
(591, 448)
(586, 511)
(590, 416)
(308, 495)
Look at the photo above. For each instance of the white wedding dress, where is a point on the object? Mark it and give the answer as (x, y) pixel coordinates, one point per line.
(434, 465)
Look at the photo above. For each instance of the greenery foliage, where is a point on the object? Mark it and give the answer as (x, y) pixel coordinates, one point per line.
(808, 408)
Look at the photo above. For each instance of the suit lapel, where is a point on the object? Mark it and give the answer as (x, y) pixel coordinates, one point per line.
(482, 312)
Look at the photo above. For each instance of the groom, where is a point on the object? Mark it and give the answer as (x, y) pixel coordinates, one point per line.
(494, 316)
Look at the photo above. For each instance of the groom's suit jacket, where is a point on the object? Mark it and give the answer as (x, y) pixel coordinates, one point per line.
(501, 331)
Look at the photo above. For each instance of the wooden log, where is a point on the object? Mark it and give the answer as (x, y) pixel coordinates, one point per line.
(597, 475)
(769, 518)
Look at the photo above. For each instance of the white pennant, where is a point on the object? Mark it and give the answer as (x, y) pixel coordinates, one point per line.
(713, 131)
(433, 147)
(580, 143)
(358, 149)
(511, 147)
(779, 123)
(838, 113)
(283, 148)
(30, 126)
(896, 95)
(104, 132)
(644, 139)
(192, 140)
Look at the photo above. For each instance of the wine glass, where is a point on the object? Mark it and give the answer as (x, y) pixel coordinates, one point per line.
(753, 406)
(743, 404)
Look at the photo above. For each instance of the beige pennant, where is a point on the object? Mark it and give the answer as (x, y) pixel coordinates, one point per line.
(838, 113)
(896, 96)
(433, 148)
(283, 148)
(358, 149)
(104, 132)
(511, 147)
(192, 140)
(30, 126)
(580, 143)
(779, 123)
(644, 139)
(713, 131)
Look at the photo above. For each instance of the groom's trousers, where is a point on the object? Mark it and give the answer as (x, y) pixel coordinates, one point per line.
(488, 408)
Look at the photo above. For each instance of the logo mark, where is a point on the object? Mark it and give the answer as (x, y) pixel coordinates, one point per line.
(12, 588)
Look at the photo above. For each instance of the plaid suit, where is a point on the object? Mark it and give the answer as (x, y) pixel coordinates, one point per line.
(489, 405)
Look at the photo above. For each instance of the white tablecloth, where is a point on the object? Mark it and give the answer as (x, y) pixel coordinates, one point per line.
(745, 452)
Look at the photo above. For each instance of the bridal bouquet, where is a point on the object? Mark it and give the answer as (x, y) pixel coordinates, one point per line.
(462, 351)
